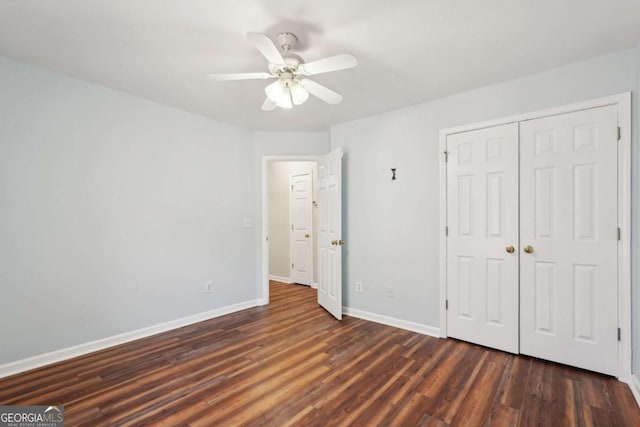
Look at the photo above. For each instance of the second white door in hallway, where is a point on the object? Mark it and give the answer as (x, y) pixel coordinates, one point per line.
(301, 214)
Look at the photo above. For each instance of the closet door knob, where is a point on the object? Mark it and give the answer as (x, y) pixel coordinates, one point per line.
(511, 249)
(528, 249)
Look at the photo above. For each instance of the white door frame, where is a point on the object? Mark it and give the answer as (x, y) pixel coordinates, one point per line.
(623, 102)
(266, 161)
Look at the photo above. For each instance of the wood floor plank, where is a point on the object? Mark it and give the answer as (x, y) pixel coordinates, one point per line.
(502, 416)
(446, 369)
(290, 364)
(515, 385)
(455, 394)
(475, 408)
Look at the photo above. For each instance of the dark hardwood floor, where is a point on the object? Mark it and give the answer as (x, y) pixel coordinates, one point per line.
(290, 363)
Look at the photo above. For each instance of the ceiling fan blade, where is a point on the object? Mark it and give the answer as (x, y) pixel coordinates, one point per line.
(267, 48)
(240, 76)
(326, 65)
(268, 105)
(322, 92)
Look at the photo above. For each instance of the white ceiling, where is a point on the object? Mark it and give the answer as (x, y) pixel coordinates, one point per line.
(409, 51)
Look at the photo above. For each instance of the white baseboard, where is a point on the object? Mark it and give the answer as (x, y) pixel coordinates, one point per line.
(392, 321)
(634, 385)
(314, 285)
(40, 360)
(280, 279)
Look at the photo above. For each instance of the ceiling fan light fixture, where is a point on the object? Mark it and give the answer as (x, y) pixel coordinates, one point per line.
(275, 91)
(286, 94)
(298, 94)
(285, 102)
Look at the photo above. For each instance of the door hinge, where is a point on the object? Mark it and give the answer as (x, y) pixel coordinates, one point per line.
(266, 238)
(446, 230)
(291, 187)
(292, 226)
(619, 234)
(446, 156)
(446, 304)
(619, 133)
(291, 265)
(619, 334)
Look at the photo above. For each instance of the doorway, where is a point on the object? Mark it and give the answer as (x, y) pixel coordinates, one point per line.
(328, 242)
(293, 222)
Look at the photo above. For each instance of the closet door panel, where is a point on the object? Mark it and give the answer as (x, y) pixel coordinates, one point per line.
(568, 217)
(482, 194)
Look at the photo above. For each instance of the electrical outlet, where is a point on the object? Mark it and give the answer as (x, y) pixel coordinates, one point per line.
(248, 223)
(208, 287)
(359, 287)
(391, 291)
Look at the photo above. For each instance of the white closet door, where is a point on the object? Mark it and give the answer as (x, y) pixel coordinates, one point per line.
(482, 216)
(568, 216)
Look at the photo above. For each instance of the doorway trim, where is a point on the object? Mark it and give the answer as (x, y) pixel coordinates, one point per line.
(623, 103)
(264, 262)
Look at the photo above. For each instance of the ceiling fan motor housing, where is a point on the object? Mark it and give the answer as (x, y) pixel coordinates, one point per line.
(287, 41)
(291, 64)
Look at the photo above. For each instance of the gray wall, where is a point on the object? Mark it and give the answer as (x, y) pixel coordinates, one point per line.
(114, 211)
(392, 227)
(279, 215)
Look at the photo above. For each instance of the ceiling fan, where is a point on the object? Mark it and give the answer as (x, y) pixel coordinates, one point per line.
(292, 87)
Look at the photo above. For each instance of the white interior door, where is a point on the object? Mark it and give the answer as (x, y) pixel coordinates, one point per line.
(300, 208)
(568, 216)
(482, 219)
(330, 233)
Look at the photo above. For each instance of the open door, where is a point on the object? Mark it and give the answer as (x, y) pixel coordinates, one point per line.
(330, 233)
